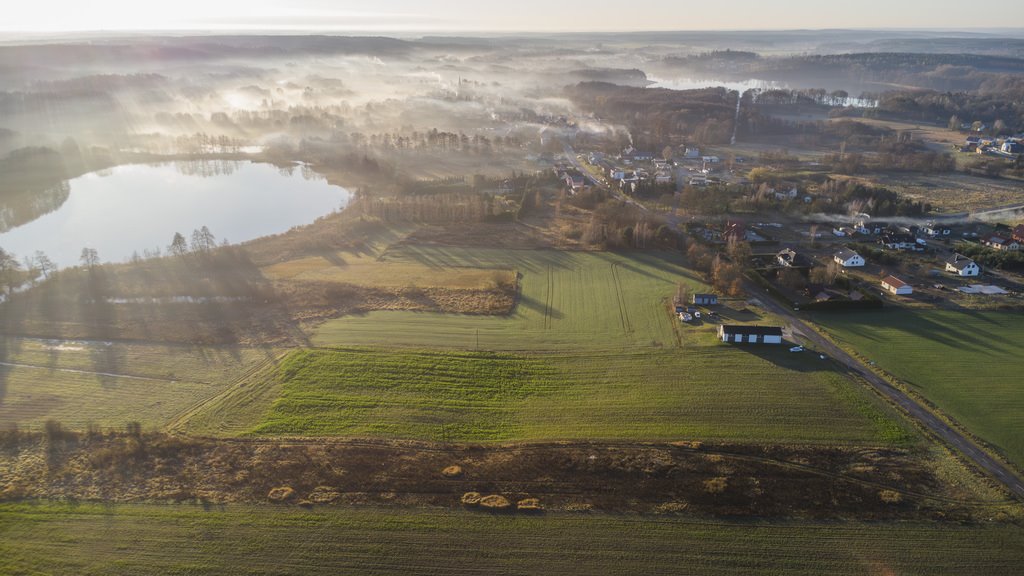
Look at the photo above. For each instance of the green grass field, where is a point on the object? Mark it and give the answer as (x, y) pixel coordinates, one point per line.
(49, 538)
(969, 364)
(715, 392)
(111, 384)
(569, 300)
(607, 359)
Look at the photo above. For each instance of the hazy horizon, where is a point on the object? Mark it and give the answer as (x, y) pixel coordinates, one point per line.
(453, 16)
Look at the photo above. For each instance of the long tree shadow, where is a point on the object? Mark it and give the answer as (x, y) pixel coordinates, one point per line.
(915, 324)
(101, 316)
(780, 356)
(12, 313)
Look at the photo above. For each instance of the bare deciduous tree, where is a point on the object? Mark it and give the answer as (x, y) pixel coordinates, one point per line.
(89, 258)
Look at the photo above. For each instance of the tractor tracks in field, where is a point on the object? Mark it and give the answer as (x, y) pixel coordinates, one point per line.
(549, 300)
(620, 297)
(179, 420)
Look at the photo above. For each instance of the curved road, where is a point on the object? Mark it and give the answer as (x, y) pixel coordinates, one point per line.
(916, 411)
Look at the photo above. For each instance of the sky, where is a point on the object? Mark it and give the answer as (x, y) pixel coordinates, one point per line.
(510, 16)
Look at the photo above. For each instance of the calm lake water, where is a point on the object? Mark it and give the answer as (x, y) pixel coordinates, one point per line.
(140, 207)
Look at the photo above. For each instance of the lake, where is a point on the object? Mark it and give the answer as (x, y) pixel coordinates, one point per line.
(139, 207)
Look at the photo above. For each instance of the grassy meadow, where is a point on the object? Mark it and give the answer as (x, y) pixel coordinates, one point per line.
(568, 300)
(156, 539)
(702, 392)
(968, 363)
(90, 382)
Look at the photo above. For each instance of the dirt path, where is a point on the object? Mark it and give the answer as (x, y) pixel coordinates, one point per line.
(915, 410)
(86, 372)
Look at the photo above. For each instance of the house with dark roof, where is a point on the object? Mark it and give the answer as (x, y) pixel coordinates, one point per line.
(792, 259)
(735, 230)
(899, 241)
(935, 230)
(962, 266)
(848, 258)
(734, 334)
(1018, 233)
(999, 242)
(705, 299)
(1012, 147)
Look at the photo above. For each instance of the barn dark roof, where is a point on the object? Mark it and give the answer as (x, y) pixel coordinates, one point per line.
(752, 330)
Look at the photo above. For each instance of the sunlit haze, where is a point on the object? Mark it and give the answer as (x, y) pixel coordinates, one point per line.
(525, 15)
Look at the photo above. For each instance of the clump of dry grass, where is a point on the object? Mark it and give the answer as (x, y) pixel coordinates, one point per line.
(862, 469)
(495, 502)
(714, 458)
(692, 444)
(579, 507)
(529, 505)
(671, 507)
(716, 485)
(281, 493)
(452, 472)
(890, 496)
(471, 499)
(323, 495)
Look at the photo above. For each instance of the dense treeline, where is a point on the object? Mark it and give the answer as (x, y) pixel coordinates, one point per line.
(432, 140)
(944, 72)
(705, 116)
(1007, 106)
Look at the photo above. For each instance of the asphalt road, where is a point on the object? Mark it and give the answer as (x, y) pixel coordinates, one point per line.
(916, 411)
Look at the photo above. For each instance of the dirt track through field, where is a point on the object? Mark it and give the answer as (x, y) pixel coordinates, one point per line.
(550, 299)
(627, 327)
(86, 372)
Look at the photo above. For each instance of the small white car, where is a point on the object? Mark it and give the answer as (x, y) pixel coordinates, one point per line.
(797, 349)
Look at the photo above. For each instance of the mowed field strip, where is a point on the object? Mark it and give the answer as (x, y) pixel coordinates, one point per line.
(106, 540)
(969, 364)
(80, 382)
(368, 271)
(568, 300)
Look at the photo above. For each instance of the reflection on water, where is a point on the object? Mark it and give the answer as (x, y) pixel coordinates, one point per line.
(23, 208)
(138, 208)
